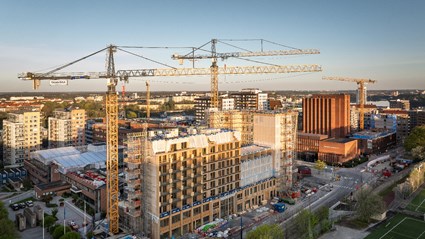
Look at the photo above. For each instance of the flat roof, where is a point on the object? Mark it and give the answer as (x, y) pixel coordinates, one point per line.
(50, 185)
(250, 149)
(339, 140)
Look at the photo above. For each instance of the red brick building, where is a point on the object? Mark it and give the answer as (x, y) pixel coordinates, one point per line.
(327, 114)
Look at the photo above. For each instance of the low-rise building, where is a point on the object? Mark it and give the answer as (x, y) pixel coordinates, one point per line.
(374, 142)
(308, 145)
(337, 150)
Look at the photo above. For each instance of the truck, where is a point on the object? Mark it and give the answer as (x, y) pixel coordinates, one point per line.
(279, 207)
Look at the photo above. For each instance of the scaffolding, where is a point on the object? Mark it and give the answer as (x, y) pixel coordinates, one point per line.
(279, 133)
(288, 134)
(132, 207)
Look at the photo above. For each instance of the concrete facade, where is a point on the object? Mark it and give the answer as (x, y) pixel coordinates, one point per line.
(67, 128)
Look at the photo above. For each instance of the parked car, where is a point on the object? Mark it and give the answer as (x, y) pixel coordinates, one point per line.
(29, 203)
(22, 205)
(15, 207)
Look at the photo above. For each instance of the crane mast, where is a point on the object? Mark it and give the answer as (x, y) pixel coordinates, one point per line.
(361, 87)
(148, 96)
(111, 105)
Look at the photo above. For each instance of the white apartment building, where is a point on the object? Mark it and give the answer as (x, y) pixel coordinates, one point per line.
(21, 135)
(67, 128)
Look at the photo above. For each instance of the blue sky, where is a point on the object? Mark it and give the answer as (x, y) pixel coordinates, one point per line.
(381, 40)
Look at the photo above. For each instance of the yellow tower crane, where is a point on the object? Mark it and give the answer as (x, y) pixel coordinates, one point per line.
(361, 88)
(148, 98)
(214, 56)
(112, 102)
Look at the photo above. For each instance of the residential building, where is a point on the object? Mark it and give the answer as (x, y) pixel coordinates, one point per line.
(400, 104)
(417, 118)
(327, 114)
(192, 180)
(253, 99)
(67, 128)
(274, 129)
(201, 105)
(364, 96)
(21, 136)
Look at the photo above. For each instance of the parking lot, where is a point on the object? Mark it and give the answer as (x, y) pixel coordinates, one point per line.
(69, 212)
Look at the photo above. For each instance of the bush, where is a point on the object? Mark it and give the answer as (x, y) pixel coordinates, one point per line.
(49, 205)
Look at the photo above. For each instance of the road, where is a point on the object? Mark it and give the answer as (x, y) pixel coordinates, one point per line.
(350, 180)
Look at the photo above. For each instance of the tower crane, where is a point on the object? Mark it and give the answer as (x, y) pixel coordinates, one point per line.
(361, 88)
(148, 105)
(215, 55)
(111, 102)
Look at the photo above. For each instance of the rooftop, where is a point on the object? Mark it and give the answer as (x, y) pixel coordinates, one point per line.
(339, 140)
(250, 149)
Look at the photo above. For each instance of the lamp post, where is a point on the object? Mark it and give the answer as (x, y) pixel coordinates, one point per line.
(241, 227)
(43, 222)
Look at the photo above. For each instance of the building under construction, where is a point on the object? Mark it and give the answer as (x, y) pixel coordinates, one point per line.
(178, 181)
(274, 129)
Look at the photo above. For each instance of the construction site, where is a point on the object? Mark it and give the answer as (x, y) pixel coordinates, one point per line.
(177, 180)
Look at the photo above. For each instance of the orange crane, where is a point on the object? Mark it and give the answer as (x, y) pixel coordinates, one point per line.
(361, 88)
(148, 106)
(214, 56)
(112, 102)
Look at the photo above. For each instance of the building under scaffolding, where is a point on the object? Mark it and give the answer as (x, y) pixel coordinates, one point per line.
(274, 129)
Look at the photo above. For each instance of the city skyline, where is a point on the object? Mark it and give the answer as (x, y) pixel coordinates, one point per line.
(378, 40)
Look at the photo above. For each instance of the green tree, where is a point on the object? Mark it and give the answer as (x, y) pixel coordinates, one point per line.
(322, 213)
(368, 204)
(320, 165)
(416, 138)
(48, 222)
(58, 232)
(7, 227)
(71, 235)
(305, 222)
(266, 231)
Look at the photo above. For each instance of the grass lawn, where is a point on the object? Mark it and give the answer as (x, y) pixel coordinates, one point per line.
(418, 203)
(400, 227)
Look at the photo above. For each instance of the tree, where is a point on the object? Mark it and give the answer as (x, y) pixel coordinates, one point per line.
(322, 213)
(8, 229)
(368, 204)
(58, 232)
(305, 222)
(48, 222)
(266, 231)
(320, 165)
(71, 235)
(418, 153)
(416, 138)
